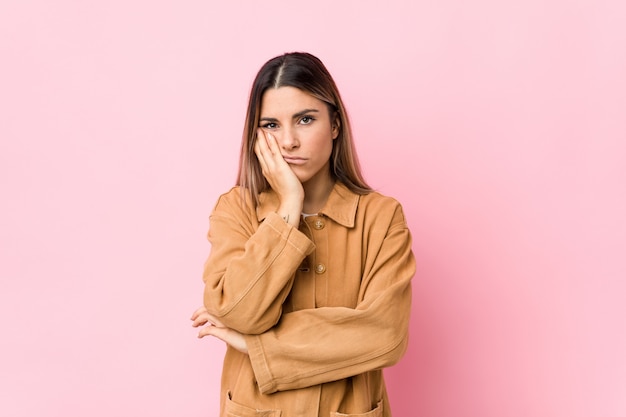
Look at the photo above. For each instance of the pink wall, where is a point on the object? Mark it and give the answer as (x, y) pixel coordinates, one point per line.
(500, 126)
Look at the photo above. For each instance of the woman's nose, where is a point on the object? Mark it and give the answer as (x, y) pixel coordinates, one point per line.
(288, 139)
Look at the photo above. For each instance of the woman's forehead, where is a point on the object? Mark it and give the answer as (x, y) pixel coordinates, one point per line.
(288, 99)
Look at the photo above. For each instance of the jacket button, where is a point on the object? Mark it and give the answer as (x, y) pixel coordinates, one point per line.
(320, 269)
(319, 224)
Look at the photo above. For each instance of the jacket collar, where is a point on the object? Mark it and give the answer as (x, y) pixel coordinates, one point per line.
(341, 205)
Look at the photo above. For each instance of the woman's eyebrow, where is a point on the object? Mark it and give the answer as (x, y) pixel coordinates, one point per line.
(303, 112)
(295, 116)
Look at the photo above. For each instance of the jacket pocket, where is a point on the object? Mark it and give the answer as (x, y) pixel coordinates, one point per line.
(376, 412)
(233, 409)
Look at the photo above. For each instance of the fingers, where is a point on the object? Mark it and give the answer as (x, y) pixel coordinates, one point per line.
(201, 320)
(272, 144)
(260, 152)
(263, 151)
(201, 316)
(219, 332)
(267, 142)
(267, 150)
(229, 336)
(210, 326)
(274, 167)
(211, 330)
(199, 311)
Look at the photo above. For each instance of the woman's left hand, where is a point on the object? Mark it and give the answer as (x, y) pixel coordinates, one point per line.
(213, 327)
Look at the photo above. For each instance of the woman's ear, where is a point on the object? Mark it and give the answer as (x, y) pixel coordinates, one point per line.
(336, 125)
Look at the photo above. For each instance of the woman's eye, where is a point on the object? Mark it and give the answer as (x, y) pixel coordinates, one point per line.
(306, 120)
(269, 125)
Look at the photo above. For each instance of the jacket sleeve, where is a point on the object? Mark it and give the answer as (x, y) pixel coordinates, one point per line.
(314, 346)
(251, 267)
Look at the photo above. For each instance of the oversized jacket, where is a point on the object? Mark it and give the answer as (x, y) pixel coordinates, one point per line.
(323, 307)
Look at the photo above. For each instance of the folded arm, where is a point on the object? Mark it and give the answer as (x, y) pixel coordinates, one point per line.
(313, 346)
(250, 270)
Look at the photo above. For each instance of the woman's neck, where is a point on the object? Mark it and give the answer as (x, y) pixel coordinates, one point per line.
(316, 192)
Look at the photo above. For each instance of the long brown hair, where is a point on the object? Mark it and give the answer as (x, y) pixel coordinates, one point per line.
(307, 73)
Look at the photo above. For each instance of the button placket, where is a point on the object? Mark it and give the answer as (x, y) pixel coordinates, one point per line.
(303, 291)
(320, 229)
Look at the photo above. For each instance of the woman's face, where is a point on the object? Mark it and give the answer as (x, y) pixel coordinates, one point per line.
(303, 129)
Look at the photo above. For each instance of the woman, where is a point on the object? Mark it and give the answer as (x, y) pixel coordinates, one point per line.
(308, 280)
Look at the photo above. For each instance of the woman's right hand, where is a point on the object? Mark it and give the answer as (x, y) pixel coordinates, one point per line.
(280, 176)
(210, 326)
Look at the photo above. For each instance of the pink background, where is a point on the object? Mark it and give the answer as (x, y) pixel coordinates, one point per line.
(500, 126)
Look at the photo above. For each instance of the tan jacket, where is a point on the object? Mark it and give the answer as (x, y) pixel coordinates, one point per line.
(324, 307)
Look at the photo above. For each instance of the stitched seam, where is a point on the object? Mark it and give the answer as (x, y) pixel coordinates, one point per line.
(345, 364)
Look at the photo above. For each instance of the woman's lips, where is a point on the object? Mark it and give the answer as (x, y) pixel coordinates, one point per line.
(294, 160)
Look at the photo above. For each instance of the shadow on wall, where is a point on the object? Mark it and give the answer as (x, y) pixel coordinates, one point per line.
(411, 383)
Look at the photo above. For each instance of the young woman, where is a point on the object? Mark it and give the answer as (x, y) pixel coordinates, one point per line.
(308, 280)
